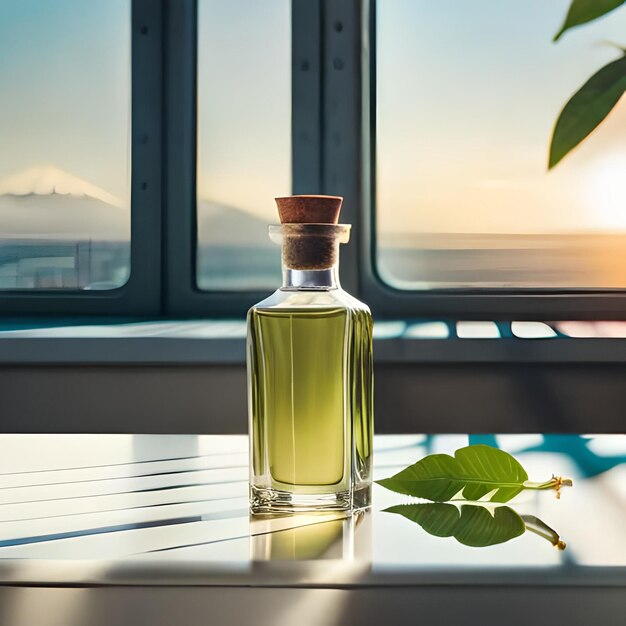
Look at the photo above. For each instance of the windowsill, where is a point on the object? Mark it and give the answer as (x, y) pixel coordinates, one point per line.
(223, 342)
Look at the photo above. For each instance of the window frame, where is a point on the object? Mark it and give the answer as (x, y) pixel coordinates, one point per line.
(333, 152)
(141, 294)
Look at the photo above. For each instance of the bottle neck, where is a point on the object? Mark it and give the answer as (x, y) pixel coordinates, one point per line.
(324, 279)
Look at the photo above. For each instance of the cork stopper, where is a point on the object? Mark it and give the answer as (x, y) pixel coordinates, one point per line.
(309, 209)
(310, 232)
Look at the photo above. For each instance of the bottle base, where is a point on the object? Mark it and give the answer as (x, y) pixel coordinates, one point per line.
(272, 501)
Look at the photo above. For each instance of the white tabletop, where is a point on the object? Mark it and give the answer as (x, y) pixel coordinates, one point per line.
(142, 509)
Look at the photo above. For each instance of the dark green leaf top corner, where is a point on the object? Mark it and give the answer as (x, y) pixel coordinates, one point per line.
(583, 11)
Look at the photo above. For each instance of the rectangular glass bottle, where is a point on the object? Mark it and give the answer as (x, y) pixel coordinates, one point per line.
(310, 390)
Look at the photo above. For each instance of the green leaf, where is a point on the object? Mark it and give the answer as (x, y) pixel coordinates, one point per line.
(587, 108)
(474, 470)
(583, 11)
(472, 525)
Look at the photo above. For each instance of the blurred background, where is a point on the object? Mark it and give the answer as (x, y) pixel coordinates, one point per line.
(467, 94)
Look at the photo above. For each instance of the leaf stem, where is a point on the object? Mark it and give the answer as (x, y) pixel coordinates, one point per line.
(556, 483)
(540, 528)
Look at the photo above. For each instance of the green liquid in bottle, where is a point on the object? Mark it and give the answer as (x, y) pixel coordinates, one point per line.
(300, 366)
(311, 399)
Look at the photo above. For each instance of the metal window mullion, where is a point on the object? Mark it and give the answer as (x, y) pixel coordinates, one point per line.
(180, 147)
(144, 285)
(306, 96)
(342, 120)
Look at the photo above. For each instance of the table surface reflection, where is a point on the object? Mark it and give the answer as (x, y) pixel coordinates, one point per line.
(171, 509)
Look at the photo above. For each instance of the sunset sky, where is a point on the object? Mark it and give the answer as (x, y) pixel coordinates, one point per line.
(468, 94)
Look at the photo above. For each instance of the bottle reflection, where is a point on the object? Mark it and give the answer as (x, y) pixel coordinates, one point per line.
(312, 536)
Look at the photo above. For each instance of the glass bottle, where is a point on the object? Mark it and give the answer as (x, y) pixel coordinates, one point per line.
(310, 374)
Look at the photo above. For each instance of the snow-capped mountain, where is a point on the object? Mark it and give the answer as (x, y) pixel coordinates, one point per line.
(42, 180)
(45, 202)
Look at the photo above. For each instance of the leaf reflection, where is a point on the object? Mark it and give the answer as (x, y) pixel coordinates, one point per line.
(475, 525)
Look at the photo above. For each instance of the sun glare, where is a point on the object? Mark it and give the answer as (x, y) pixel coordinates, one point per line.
(606, 192)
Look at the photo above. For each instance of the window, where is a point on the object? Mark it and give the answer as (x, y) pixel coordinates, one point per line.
(65, 151)
(143, 143)
(467, 96)
(244, 139)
